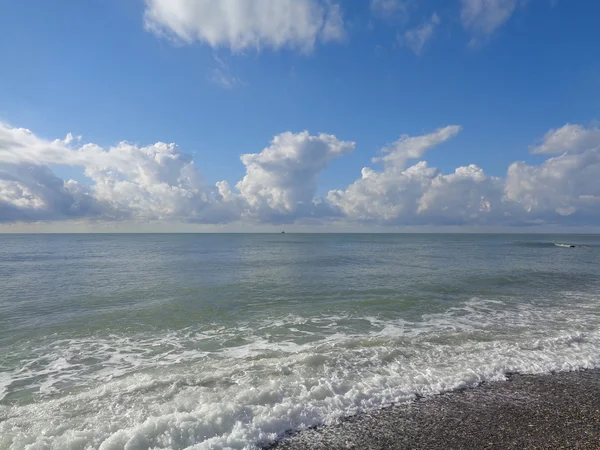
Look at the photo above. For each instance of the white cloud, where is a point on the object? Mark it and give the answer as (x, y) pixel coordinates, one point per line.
(416, 38)
(407, 147)
(156, 181)
(159, 181)
(467, 196)
(562, 186)
(484, 17)
(572, 138)
(33, 193)
(247, 24)
(128, 182)
(396, 194)
(565, 185)
(562, 189)
(282, 179)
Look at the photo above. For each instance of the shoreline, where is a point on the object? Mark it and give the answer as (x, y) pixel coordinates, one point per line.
(557, 410)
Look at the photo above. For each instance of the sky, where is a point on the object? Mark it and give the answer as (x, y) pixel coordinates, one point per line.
(312, 115)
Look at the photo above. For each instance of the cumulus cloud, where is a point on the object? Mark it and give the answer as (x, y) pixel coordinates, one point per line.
(407, 147)
(571, 138)
(469, 196)
(484, 17)
(562, 186)
(419, 193)
(33, 193)
(563, 189)
(243, 24)
(282, 179)
(565, 185)
(126, 180)
(160, 182)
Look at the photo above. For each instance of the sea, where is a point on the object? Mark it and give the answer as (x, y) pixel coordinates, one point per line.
(216, 341)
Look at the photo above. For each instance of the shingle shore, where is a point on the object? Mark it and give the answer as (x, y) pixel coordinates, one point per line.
(555, 411)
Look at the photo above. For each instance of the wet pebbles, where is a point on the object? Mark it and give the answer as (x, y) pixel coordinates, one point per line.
(556, 411)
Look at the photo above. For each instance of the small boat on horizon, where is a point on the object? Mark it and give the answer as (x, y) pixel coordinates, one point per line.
(558, 244)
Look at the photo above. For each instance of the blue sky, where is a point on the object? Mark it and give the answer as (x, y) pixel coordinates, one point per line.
(221, 79)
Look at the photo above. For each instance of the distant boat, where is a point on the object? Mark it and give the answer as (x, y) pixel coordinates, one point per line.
(558, 244)
(283, 232)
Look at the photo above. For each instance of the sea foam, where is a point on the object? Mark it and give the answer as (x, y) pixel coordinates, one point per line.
(242, 387)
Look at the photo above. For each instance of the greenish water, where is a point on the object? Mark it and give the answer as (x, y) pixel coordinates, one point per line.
(227, 341)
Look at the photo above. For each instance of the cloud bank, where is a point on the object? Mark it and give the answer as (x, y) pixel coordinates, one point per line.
(160, 182)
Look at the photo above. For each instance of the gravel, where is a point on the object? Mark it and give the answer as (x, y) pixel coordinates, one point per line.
(554, 411)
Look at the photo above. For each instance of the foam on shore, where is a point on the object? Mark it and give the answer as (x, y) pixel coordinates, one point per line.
(559, 410)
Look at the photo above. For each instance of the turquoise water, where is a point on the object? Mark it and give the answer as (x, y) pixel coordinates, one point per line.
(227, 341)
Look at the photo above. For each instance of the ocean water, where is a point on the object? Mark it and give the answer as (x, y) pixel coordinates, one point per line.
(227, 341)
